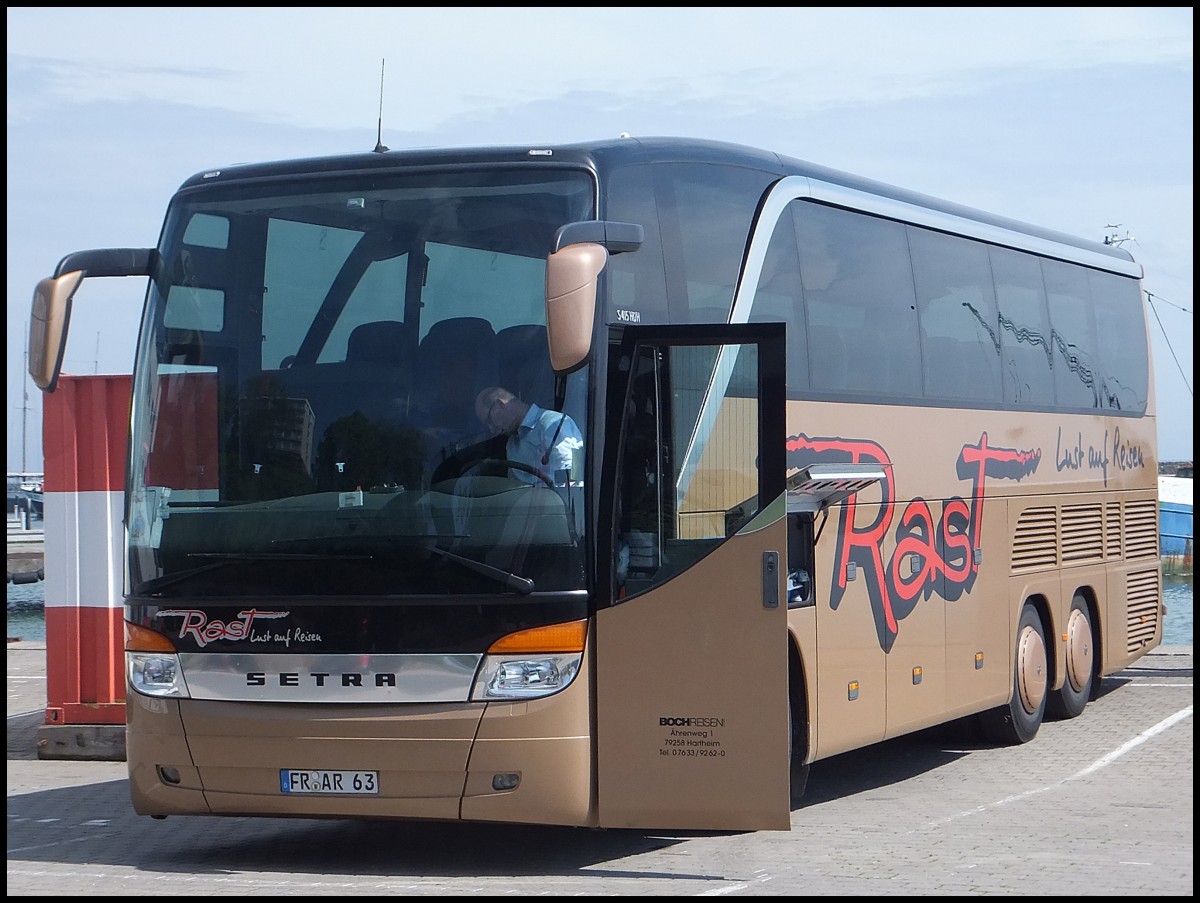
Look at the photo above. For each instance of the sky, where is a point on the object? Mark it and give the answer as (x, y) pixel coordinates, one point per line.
(1077, 119)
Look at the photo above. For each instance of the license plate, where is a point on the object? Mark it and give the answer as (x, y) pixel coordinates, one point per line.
(307, 780)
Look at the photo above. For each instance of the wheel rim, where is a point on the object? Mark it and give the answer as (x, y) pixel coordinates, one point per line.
(1079, 650)
(1031, 670)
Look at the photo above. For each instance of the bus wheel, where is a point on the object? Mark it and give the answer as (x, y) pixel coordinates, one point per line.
(1077, 685)
(798, 777)
(1019, 720)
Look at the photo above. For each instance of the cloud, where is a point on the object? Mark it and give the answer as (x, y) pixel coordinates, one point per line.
(1071, 118)
(320, 67)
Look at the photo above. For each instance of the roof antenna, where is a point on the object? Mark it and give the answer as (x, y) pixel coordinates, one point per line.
(379, 145)
(1111, 238)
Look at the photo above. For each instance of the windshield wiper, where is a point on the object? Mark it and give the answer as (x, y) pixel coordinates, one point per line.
(515, 582)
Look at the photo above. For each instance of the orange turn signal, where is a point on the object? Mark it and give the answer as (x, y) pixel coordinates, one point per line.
(142, 639)
(566, 637)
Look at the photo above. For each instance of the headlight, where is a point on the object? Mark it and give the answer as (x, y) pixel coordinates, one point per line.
(524, 677)
(156, 674)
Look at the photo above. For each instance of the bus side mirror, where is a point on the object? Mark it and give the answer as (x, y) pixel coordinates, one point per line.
(571, 284)
(49, 319)
(51, 313)
(580, 252)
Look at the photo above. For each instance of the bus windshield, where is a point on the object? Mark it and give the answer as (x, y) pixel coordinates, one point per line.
(305, 416)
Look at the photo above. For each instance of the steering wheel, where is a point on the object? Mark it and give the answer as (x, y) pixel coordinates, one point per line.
(511, 465)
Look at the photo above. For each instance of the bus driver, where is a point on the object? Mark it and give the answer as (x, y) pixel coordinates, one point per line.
(544, 441)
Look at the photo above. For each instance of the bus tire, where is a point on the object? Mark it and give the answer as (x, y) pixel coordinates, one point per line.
(797, 768)
(1069, 701)
(797, 740)
(1019, 720)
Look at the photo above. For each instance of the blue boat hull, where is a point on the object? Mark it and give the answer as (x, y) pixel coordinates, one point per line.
(1175, 528)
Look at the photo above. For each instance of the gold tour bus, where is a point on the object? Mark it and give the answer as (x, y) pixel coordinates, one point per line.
(854, 462)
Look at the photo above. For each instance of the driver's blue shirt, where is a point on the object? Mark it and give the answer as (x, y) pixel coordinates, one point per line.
(532, 438)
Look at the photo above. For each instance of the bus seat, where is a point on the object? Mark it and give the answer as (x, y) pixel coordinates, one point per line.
(455, 360)
(524, 363)
(382, 342)
(377, 370)
(310, 400)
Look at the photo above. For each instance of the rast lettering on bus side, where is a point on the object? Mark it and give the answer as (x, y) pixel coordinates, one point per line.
(943, 549)
(197, 626)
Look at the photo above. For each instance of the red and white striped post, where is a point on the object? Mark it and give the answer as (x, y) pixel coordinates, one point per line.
(85, 429)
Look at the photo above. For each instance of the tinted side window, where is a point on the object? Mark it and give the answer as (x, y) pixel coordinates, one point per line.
(779, 298)
(1073, 334)
(1024, 330)
(706, 214)
(637, 282)
(956, 305)
(1121, 340)
(858, 287)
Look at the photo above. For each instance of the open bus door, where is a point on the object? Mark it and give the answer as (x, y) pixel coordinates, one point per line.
(690, 654)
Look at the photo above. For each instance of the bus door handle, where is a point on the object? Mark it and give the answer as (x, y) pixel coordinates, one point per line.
(770, 580)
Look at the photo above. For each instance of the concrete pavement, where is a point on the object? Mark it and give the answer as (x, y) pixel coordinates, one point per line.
(1097, 806)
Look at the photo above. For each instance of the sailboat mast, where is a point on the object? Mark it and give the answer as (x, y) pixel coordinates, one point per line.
(25, 403)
